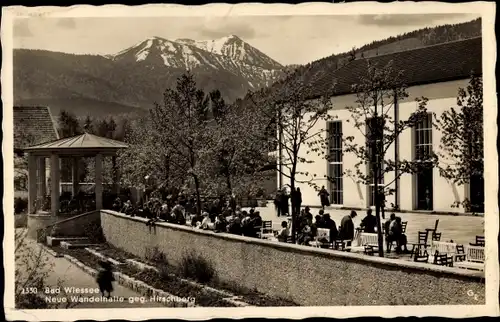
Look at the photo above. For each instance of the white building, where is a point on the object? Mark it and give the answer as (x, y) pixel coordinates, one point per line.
(435, 72)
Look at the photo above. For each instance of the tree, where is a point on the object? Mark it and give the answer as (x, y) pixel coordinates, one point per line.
(88, 124)
(235, 151)
(461, 149)
(376, 94)
(295, 116)
(24, 136)
(68, 126)
(32, 268)
(182, 121)
(147, 155)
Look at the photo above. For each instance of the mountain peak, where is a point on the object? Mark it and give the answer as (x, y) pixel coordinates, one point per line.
(183, 53)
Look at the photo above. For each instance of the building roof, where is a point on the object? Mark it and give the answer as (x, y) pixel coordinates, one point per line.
(438, 63)
(82, 142)
(33, 125)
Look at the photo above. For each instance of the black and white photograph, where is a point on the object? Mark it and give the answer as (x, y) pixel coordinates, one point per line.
(250, 160)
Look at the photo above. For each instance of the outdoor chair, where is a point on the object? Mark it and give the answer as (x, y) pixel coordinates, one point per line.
(371, 250)
(339, 245)
(474, 259)
(266, 231)
(479, 241)
(403, 226)
(436, 236)
(442, 259)
(421, 244)
(460, 255)
(420, 255)
(435, 227)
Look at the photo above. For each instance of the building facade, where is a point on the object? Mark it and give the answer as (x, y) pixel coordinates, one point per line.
(426, 75)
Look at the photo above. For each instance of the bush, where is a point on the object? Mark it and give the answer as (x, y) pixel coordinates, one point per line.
(196, 267)
(20, 205)
(155, 255)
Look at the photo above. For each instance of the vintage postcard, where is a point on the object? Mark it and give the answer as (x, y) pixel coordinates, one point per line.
(250, 160)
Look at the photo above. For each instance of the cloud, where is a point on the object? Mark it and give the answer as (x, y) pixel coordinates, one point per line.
(385, 20)
(66, 23)
(22, 29)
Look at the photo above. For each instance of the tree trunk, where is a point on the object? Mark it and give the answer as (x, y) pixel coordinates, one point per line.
(294, 215)
(198, 200)
(228, 184)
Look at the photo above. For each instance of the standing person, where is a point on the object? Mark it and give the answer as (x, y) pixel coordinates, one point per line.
(369, 222)
(285, 211)
(323, 197)
(293, 198)
(388, 235)
(329, 223)
(277, 202)
(347, 227)
(105, 279)
(298, 201)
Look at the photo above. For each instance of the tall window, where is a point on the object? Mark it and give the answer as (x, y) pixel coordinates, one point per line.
(374, 135)
(423, 150)
(335, 169)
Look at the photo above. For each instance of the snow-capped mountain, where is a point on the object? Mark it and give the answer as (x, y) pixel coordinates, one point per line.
(138, 76)
(229, 54)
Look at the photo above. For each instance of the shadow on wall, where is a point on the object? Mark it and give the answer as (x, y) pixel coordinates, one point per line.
(454, 190)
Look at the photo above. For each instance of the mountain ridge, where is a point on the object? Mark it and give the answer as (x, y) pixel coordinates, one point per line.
(138, 75)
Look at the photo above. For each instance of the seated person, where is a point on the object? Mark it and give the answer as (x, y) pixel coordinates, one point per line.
(220, 224)
(164, 210)
(396, 233)
(369, 222)
(206, 221)
(196, 220)
(305, 232)
(284, 233)
(126, 207)
(234, 225)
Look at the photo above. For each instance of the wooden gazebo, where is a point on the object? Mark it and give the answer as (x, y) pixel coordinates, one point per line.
(76, 147)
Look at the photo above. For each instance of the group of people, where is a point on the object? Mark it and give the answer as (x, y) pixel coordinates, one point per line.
(281, 201)
(216, 216)
(228, 217)
(307, 229)
(237, 222)
(282, 197)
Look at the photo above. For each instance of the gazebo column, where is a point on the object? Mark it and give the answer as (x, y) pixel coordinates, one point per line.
(54, 183)
(116, 176)
(32, 178)
(98, 181)
(76, 178)
(42, 180)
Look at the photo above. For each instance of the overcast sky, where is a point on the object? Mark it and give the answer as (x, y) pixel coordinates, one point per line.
(287, 39)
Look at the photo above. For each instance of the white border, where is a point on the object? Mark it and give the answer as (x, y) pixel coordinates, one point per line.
(485, 9)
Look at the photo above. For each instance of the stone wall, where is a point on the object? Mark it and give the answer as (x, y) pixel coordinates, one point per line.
(306, 275)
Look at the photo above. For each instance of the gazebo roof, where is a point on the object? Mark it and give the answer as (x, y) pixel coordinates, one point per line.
(85, 143)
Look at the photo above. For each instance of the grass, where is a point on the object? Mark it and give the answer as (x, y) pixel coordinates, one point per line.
(196, 267)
